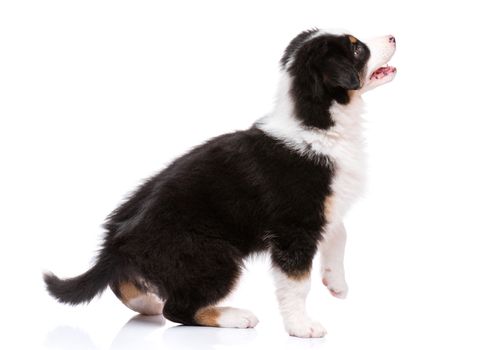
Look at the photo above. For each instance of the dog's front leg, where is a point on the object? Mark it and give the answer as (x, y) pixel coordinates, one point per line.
(332, 260)
(291, 294)
(291, 271)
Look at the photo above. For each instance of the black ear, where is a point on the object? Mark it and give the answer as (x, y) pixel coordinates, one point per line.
(341, 73)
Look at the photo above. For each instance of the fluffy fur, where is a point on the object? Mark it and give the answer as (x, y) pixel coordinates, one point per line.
(281, 186)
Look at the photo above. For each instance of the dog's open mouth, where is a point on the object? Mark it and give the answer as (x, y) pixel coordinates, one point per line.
(382, 72)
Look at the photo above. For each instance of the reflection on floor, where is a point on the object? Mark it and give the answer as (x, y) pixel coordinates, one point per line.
(145, 332)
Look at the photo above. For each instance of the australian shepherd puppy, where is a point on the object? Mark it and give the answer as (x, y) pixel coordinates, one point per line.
(176, 246)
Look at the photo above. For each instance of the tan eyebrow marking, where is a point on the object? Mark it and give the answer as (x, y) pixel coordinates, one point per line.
(352, 39)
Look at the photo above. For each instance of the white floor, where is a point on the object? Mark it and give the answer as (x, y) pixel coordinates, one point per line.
(151, 333)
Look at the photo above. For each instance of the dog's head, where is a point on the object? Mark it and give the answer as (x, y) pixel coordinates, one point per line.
(327, 67)
(339, 61)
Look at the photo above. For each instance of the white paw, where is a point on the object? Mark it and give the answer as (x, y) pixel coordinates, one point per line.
(334, 280)
(231, 317)
(306, 329)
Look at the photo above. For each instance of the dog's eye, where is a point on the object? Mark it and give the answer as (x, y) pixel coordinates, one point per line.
(357, 51)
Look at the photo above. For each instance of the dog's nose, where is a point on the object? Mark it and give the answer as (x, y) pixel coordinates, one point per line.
(391, 39)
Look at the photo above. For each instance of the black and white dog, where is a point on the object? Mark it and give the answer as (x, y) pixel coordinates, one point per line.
(176, 246)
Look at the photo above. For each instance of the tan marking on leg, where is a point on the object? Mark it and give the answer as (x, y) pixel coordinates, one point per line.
(129, 291)
(299, 276)
(207, 316)
(328, 207)
(225, 316)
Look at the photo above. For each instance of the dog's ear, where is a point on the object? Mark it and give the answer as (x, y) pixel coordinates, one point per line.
(340, 72)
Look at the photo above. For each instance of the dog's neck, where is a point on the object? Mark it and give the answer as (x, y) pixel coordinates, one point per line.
(284, 125)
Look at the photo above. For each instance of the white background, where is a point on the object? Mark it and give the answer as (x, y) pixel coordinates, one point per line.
(97, 95)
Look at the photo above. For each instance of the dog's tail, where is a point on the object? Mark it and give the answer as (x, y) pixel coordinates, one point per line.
(83, 288)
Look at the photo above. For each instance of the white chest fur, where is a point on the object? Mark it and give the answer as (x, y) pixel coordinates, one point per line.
(347, 152)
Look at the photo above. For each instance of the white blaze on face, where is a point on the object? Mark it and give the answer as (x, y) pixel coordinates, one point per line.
(382, 49)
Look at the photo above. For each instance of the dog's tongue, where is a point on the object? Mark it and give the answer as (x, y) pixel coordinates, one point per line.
(382, 71)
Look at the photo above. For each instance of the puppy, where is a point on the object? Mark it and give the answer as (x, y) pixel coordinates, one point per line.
(176, 246)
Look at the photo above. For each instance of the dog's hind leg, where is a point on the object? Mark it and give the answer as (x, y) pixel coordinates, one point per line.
(143, 302)
(209, 274)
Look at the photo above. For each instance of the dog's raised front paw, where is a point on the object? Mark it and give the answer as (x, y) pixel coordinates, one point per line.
(335, 282)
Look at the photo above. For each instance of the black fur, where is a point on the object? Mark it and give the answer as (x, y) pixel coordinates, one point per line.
(85, 287)
(295, 44)
(323, 71)
(187, 230)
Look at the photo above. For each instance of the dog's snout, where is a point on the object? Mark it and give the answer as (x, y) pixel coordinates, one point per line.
(391, 39)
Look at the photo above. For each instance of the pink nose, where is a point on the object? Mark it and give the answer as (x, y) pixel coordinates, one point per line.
(391, 39)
